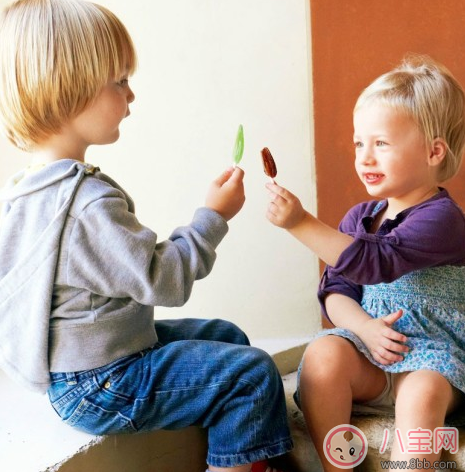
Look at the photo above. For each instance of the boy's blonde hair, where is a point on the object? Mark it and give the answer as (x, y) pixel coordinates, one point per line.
(428, 93)
(55, 56)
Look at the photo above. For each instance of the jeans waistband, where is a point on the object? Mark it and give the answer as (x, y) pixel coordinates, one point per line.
(77, 377)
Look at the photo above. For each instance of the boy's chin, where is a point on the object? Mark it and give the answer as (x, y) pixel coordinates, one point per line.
(109, 139)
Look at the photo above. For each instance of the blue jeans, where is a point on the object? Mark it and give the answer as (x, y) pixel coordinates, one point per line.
(201, 372)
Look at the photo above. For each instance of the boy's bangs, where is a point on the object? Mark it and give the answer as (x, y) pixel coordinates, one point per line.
(125, 61)
(117, 47)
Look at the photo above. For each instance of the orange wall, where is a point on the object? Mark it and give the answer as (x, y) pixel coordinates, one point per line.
(353, 42)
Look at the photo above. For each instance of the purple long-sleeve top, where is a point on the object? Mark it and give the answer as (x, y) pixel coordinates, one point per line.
(429, 234)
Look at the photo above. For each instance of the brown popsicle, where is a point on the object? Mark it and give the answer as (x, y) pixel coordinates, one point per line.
(269, 165)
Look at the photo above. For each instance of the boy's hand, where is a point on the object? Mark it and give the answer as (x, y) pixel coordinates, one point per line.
(284, 209)
(226, 194)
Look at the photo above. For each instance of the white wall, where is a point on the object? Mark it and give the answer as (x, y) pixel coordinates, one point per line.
(205, 67)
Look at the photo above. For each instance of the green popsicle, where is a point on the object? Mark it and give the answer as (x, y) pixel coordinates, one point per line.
(238, 146)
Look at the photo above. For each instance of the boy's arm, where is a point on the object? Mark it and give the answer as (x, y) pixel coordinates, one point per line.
(110, 253)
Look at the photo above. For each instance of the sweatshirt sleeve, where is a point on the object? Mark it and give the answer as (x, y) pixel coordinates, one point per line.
(429, 235)
(110, 253)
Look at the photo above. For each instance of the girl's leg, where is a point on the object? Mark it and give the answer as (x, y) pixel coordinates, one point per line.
(334, 374)
(423, 399)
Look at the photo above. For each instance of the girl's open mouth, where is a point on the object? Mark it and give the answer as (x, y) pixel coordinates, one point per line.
(372, 178)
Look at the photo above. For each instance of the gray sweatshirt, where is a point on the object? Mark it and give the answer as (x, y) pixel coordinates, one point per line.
(79, 275)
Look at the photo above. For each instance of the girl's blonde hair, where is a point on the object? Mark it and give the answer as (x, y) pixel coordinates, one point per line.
(427, 92)
(55, 57)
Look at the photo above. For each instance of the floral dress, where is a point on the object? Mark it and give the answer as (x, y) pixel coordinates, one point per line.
(433, 302)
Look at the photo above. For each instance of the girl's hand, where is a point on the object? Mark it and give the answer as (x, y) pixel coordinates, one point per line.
(284, 209)
(226, 193)
(384, 343)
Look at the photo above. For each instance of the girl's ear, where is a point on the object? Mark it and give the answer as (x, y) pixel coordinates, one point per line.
(438, 151)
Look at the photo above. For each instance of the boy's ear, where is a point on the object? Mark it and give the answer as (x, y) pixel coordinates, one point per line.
(438, 151)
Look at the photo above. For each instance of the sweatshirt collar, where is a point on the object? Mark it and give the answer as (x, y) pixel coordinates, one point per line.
(24, 183)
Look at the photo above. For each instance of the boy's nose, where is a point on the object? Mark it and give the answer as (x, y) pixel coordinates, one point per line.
(131, 97)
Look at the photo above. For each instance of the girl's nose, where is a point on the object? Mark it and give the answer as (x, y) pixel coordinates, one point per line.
(365, 155)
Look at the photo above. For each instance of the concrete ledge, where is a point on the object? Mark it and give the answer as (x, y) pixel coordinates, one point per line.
(163, 451)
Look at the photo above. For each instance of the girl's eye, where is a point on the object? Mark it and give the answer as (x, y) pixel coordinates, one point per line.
(381, 143)
(123, 82)
(358, 144)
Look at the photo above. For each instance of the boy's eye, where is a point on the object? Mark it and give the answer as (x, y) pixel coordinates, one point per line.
(358, 144)
(123, 82)
(381, 143)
